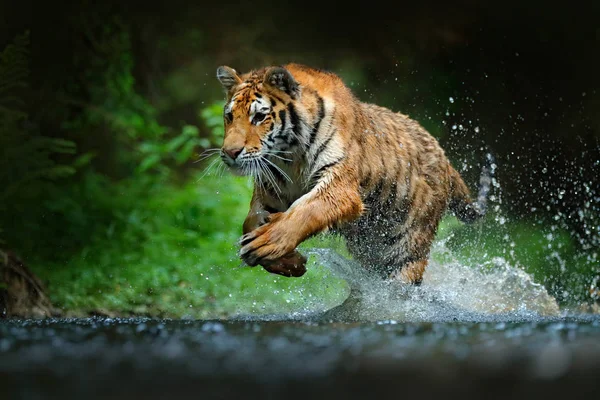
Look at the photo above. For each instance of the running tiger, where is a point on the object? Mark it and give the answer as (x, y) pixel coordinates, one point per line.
(322, 160)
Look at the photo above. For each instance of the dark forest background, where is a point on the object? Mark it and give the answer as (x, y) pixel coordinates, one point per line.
(105, 107)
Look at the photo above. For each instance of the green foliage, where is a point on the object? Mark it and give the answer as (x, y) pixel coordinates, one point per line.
(160, 155)
(108, 96)
(110, 105)
(213, 119)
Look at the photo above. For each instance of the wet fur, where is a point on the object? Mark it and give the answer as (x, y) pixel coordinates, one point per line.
(375, 176)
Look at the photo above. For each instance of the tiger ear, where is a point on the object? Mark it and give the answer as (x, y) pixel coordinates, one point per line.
(228, 77)
(280, 78)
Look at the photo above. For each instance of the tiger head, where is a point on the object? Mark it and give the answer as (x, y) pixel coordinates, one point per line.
(258, 116)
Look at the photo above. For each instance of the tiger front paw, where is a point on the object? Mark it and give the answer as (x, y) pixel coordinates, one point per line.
(290, 265)
(268, 243)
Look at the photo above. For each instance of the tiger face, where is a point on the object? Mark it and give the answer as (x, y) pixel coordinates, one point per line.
(256, 119)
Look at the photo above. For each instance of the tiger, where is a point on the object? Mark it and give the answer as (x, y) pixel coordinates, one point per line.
(323, 161)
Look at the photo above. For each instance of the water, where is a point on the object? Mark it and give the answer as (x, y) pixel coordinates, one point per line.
(450, 292)
(488, 332)
(137, 358)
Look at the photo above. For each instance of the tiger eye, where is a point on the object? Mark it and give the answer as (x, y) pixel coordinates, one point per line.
(259, 117)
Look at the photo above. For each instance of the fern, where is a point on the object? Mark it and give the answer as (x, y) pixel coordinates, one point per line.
(14, 72)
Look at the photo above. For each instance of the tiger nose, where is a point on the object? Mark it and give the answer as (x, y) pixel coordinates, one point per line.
(233, 152)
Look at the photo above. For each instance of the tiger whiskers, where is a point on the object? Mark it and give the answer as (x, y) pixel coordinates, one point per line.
(210, 167)
(257, 168)
(278, 169)
(220, 170)
(259, 172)
(270, 151)
(207, 153)
(269, 175)
(279, 157)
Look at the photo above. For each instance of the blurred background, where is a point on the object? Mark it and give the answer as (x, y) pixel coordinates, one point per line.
(105, 109)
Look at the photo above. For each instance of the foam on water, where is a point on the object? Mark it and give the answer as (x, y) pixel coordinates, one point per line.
(449, 292)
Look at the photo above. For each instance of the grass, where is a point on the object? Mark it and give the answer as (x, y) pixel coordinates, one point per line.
(170, 251)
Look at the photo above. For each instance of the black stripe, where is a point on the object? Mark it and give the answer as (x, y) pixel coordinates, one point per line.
(282, 117)
(258, 95)
(315, 129)
(295, 121)
(317, 175)
(279, 99)
(270, 209)
(324, 144)
(366, 179)
(276, 173)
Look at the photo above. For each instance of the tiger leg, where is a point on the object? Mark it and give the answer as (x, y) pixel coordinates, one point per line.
(333, 202)
(291, 264)
(413, 262)
(421, 227)
(412, 272)
(419, 240)
(257, 215)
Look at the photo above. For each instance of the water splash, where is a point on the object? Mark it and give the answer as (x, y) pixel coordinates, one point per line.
(450, 292)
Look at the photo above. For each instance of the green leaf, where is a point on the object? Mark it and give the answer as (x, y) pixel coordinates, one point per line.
(60, 171)
(190, 130)
(83, 160)
(186, 152)
(62, 146)
(176, 142)
(149, 162)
